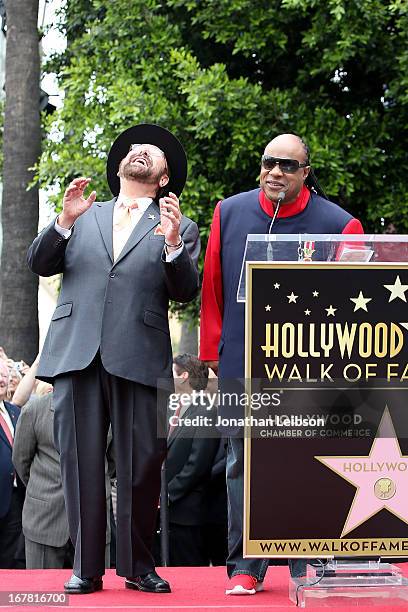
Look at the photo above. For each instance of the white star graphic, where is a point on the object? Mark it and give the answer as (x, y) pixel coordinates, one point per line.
(292, 298)
(397, 290)
(360, 302)
(315, 293)
(267, 308)
(307, 312)
(276, 285)
(330, 311)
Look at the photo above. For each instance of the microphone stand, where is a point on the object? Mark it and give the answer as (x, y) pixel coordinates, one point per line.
(269, 250)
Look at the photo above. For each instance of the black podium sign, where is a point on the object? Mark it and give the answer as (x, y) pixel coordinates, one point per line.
(326, 470)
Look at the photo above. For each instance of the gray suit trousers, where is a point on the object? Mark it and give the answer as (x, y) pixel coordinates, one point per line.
(85, 402)
(41, 556)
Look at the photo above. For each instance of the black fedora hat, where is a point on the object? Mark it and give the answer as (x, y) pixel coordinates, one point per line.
(148, 133)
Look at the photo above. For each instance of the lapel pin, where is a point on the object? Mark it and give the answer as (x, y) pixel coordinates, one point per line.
(152, 217)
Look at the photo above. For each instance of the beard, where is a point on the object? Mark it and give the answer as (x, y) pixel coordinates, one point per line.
(140, 173)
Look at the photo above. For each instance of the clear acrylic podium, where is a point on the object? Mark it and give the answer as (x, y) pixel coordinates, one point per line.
(350, 583)
(336, 581)
(306, 248)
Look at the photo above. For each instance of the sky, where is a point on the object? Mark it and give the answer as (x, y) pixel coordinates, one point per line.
(51, 42)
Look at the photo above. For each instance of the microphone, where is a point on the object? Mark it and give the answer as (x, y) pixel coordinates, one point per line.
(269, 250)
(281, 197)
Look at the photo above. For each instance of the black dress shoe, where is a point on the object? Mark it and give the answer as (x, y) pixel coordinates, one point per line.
(151, 583)
(82, 586)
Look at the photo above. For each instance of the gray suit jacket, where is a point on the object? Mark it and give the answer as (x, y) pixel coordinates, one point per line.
(37, 464)
(121, 307)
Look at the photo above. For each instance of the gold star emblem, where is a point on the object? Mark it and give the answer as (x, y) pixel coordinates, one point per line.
(397, 290)
(292, 298)
(360, 302)
(330, 311)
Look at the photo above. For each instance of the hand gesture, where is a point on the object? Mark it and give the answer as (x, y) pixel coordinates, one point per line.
(212, 365)
(24, 368)
(74, 204)
(170, 218)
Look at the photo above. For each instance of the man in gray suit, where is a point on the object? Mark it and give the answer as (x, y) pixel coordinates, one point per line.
(109, 342)
(45, 523)
(44, 520)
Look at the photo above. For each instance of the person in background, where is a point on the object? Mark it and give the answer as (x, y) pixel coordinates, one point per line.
(37, 462)
(14, 380)
(190, 458)
(44, 519)
(11, 488)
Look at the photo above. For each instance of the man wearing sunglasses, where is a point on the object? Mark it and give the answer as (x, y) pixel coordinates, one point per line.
(109, 343)
(289, 201)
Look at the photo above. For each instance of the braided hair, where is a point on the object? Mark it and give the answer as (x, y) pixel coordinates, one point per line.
(311, 181)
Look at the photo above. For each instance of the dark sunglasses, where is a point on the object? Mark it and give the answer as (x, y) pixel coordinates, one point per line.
(289, 166)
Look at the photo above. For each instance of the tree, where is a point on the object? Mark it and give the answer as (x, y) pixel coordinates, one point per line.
(228, 75)
(21, 150)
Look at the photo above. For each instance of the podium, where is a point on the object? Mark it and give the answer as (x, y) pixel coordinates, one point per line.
(326, 428)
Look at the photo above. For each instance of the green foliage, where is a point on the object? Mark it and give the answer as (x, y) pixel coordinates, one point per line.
(227, 76)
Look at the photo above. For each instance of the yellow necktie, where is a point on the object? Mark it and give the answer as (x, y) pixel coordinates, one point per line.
(122, 226)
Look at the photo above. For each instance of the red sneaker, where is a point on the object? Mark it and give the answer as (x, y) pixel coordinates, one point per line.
(243, 584)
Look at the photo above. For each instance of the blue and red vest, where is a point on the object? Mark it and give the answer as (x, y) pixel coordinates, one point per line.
(241, 215)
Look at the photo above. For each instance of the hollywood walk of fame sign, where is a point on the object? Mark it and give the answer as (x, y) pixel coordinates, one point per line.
(332, 340)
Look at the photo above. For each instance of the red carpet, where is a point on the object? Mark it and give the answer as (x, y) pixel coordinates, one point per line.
(199, 589)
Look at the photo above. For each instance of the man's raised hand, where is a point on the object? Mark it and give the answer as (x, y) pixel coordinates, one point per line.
(74, 204)
(170, 218)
